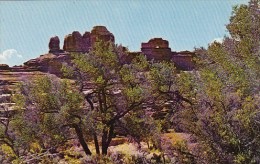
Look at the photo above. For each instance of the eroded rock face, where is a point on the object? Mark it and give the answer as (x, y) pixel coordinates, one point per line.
(156, 43)
(86, 41)
(183, 60)
(48, 63)
(54, 45)
(75, 42)
(156, 49)
(101, 33)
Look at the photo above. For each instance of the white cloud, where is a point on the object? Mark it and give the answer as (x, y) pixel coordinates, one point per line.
(218, 40)
(9, 55)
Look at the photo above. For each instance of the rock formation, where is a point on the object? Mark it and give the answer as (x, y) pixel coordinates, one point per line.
(156, 49)
(54, 45)
(183, 60)
(101, 33)
(75, 42)
(48, 63)
(4, 67)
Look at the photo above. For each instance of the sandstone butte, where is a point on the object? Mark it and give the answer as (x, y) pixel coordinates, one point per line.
(156, 49)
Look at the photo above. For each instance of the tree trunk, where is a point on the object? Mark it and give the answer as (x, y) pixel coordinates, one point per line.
(104, 148)
(96, 143)
(107, 138)
(104, 141)
(81, 139)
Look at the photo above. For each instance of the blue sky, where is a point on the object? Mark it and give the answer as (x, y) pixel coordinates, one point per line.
(26, 26)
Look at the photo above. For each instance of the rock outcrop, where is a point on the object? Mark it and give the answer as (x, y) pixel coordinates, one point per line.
(156, 49)
(49, 63)
(4, 67)
(101, 33)
(183, 60)
(54, 45)
(75, 42)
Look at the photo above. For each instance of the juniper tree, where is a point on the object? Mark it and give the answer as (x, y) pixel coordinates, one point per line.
(112, 89)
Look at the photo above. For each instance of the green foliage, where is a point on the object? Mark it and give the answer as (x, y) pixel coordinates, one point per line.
(240, 22)
(226, 103)
(186, 85)
(163, 76)
(48, 108)
(67, 71)
(133, 94)
(8, 152)
(140, 63)
(126, 75)
(135, 123)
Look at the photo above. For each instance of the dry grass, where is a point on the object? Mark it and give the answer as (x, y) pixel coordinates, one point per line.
(14, 77)
(176, 137)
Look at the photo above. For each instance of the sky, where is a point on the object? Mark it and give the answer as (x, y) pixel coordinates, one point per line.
(26, 26)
